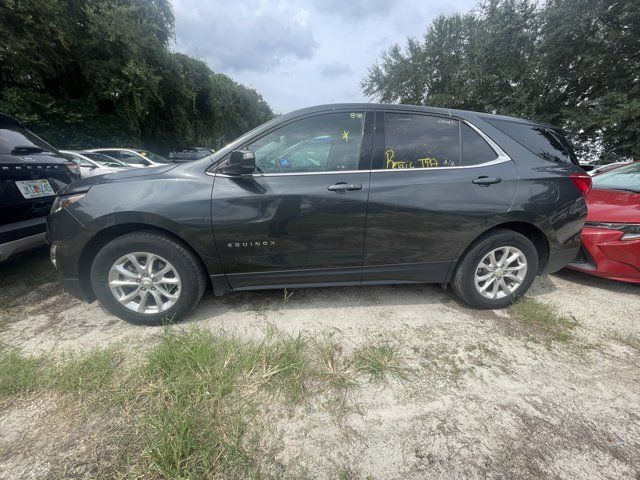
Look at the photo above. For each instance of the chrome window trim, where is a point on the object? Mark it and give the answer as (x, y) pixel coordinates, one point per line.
(502, 158)
(284, 174)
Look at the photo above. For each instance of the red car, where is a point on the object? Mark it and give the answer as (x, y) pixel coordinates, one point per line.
(611, 235)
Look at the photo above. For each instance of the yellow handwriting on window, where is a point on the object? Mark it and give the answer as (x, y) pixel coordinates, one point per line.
(428, 162)
(390, 157)
(345, 135)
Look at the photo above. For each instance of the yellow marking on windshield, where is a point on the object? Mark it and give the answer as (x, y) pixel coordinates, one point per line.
(345, 135)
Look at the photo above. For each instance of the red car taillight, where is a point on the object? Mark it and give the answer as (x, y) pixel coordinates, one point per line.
(582, 182)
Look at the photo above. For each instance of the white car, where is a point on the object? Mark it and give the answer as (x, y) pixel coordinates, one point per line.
(607, 167)
(133, 157)
(92, 164)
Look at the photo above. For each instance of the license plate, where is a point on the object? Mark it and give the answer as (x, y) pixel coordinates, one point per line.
(35, 188)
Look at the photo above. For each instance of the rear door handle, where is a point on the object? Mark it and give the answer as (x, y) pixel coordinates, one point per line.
(486, 181)
(342, 187)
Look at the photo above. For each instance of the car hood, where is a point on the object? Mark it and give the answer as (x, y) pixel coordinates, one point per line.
(613, 206)
(122, 174)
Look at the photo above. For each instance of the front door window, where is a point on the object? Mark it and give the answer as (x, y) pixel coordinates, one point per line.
(322, 143)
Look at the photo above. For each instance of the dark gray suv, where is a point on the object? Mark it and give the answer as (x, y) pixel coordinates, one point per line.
(352, 194)
(31, 173)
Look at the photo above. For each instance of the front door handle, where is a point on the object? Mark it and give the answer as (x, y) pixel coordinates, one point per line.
(486, 181)
(342, 187)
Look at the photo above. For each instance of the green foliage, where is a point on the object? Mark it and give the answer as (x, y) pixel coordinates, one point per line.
(574, 63)
(91, 73)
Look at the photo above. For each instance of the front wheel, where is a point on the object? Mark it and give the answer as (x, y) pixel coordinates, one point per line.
(147, 278)
(496, 270)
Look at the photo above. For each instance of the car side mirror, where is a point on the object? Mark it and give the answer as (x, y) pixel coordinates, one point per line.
(88, 165)
(241, 162)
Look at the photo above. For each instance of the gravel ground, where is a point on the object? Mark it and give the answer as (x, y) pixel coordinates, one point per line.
(485, 397)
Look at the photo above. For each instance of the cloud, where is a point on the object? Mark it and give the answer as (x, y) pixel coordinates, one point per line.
(353, 10)
(243, 36)
(336, 69)
(300, 52)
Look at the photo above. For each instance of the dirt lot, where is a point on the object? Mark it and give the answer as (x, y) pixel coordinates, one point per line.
(547, 389)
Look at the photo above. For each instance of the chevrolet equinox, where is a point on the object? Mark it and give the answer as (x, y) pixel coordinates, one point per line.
(351, 194)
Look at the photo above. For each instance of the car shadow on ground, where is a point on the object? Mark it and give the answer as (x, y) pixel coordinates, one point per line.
(597, 282)
(29, 271)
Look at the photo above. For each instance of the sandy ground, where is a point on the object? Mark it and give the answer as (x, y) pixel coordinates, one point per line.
(481, 400)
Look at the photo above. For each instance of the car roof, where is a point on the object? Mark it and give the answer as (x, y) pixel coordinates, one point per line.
(412, 108)
(111, 149)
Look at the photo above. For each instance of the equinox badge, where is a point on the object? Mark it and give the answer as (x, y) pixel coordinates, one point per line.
(265, 243)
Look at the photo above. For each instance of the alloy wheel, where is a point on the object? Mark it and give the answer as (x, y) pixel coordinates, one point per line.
(144, 282)
(500, 272)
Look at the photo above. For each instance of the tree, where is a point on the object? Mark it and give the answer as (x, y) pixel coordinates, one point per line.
(573, 63)
(86, 73)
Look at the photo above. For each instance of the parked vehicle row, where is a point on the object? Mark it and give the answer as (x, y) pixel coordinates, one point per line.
(187, 154)
(92, 163)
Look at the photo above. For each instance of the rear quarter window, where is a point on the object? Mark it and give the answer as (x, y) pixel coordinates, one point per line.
(475, 150)
(545, 142)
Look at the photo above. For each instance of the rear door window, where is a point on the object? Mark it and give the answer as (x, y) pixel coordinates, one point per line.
(545, 142)
(420, 141)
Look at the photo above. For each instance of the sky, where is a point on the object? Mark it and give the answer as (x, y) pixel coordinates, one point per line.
(300, 53)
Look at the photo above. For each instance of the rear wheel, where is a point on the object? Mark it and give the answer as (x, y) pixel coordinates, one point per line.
(496, 270)
(147, 278)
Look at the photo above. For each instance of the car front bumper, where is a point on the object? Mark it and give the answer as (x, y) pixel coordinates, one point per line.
(68, 238)
(604, 254)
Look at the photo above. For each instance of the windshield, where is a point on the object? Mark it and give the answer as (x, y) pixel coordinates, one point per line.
(19, 140)
(622, 178)
(154, 157)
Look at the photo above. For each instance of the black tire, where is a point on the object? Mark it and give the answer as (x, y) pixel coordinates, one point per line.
(463, 279)
(190, 270)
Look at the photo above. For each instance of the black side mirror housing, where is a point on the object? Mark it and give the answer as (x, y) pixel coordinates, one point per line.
(241, 162)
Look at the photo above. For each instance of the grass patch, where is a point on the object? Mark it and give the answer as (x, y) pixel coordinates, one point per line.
(379, 359)
(196, 404)
(18, 373)
(540, 323)
(76, 373)
(84, 373)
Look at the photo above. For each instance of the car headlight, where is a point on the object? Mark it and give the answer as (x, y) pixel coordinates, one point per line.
(631, 231)
(64, 202)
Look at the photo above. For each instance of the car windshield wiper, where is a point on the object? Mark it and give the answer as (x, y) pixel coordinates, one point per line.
(21, 149)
